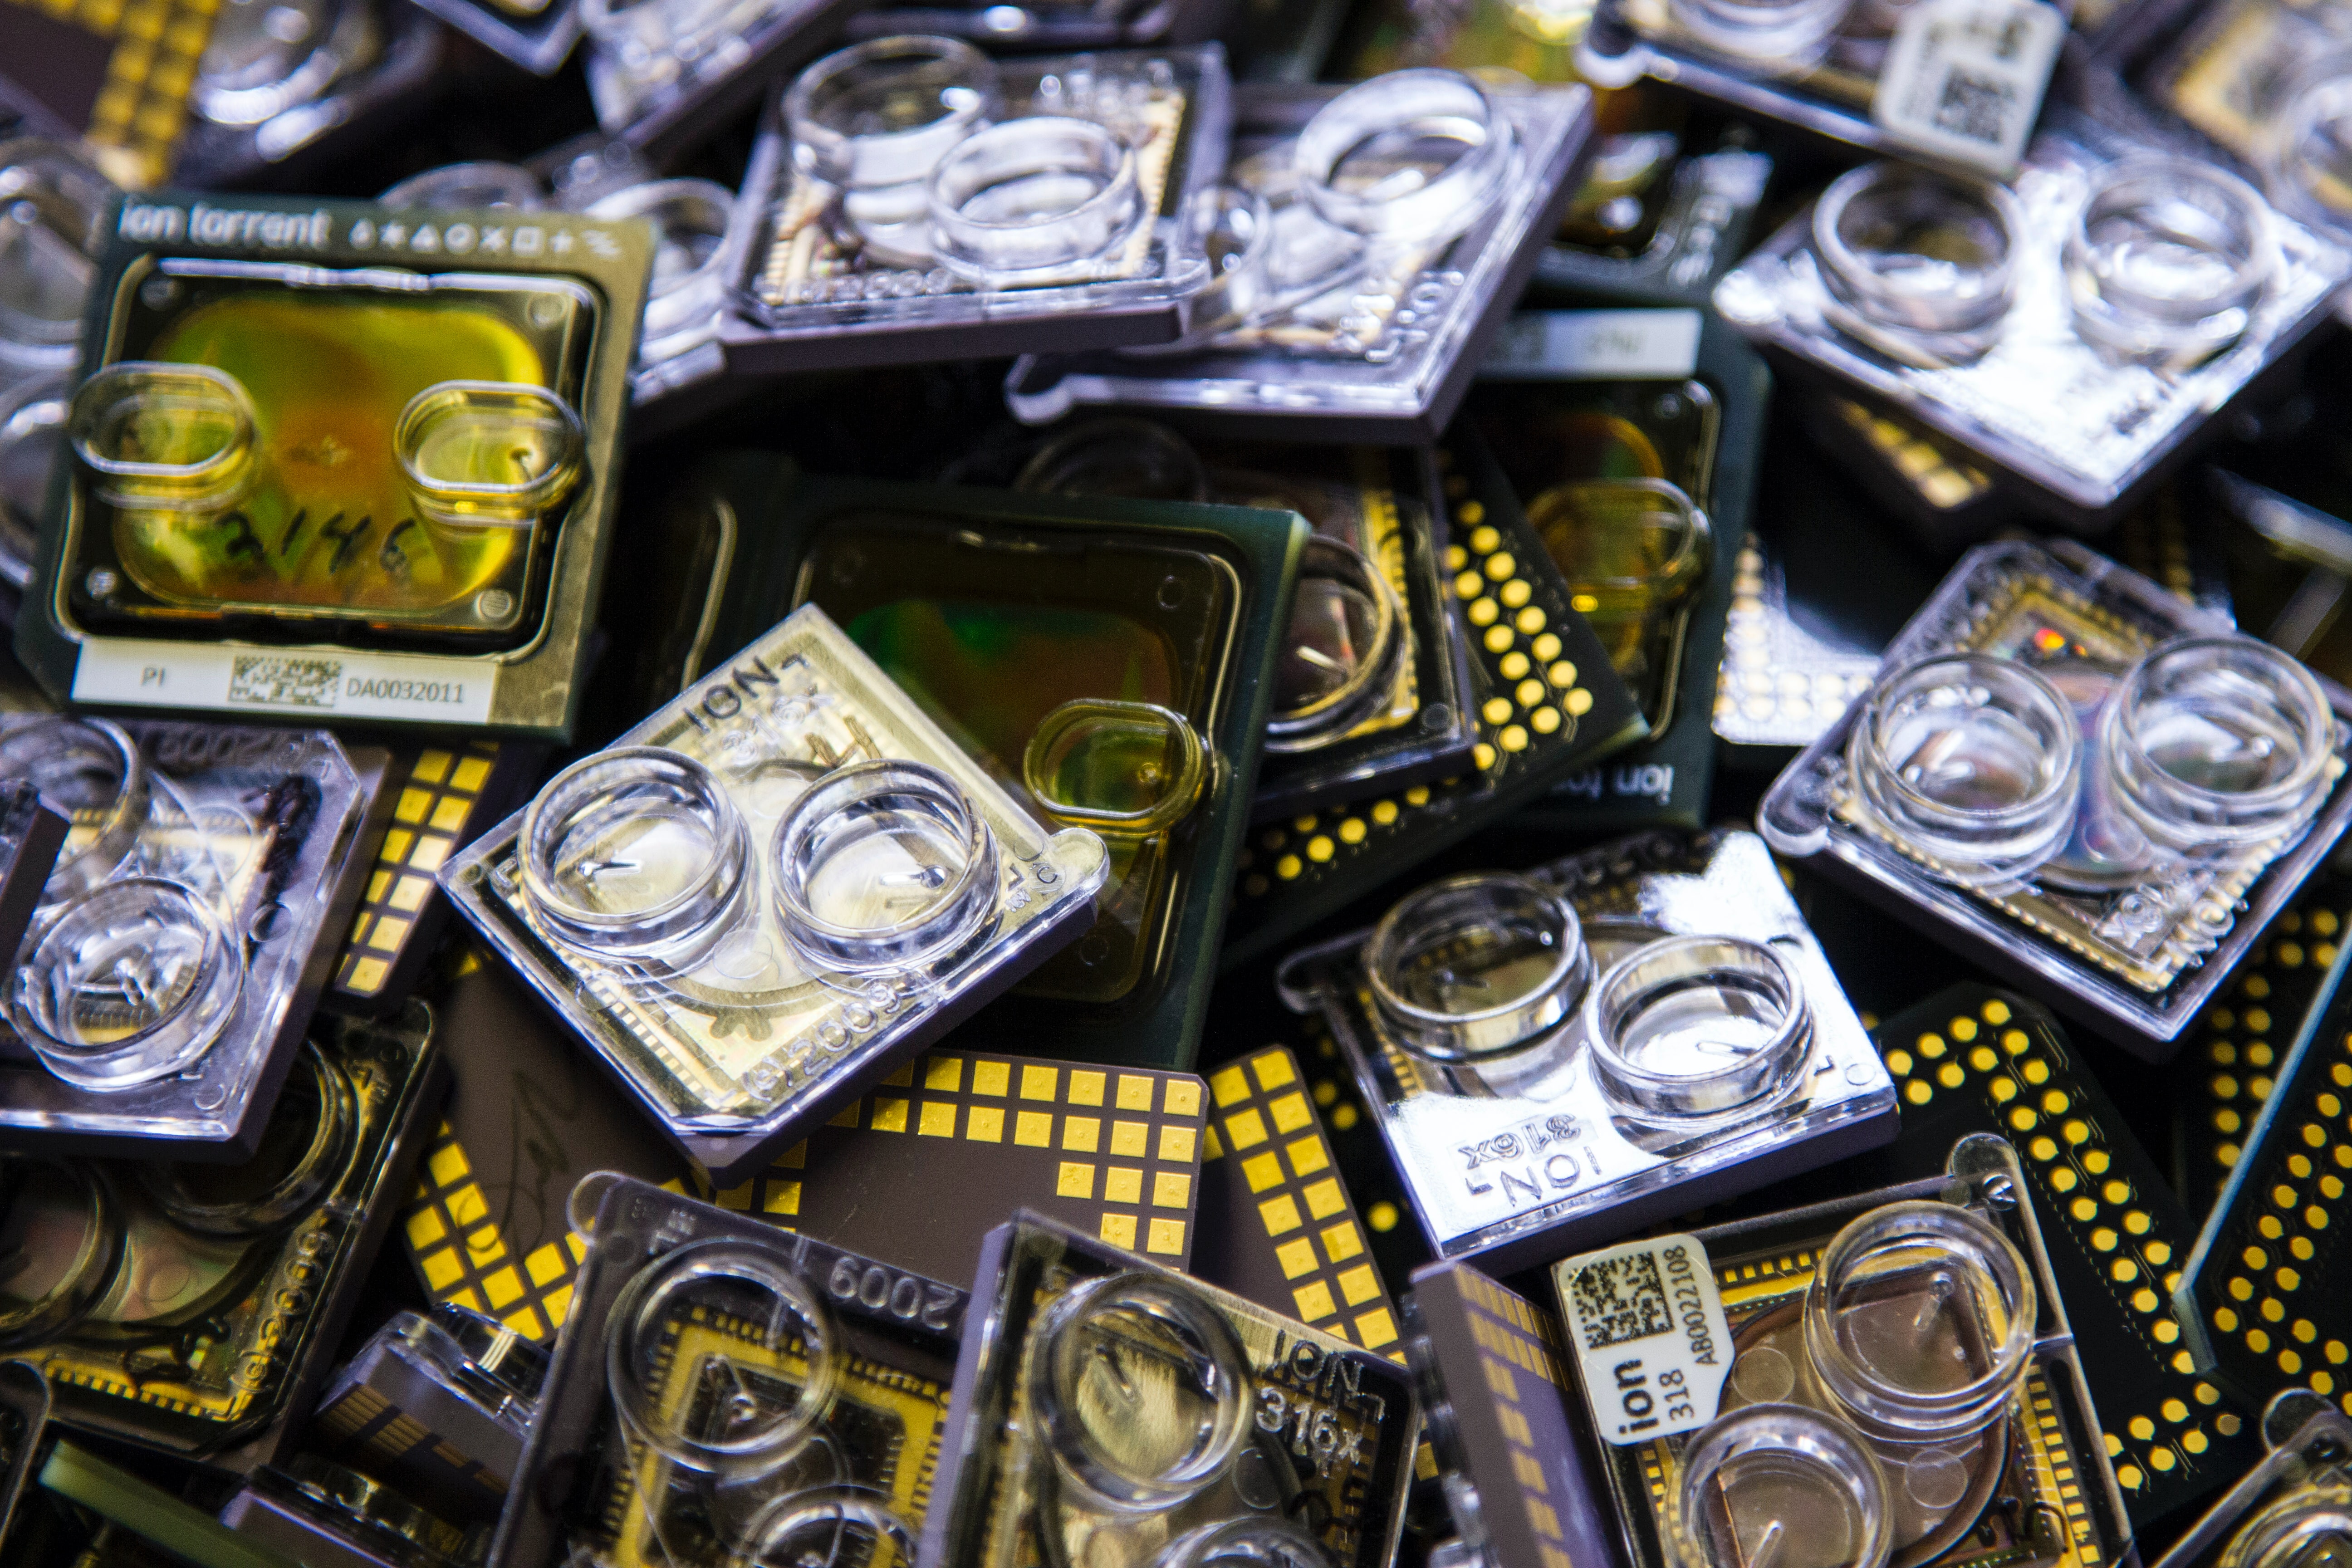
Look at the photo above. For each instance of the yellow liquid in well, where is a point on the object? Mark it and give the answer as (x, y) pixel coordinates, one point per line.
(329, 523)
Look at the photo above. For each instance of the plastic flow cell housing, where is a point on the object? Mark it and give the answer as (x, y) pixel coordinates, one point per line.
(909, 199)
(728, 1392)
(781, 884)
(1112, 1411)
(1611, 1038)
(184, 930)
(2074, 330)
(1368, 243)
(1900, 1382)
(2088, 784)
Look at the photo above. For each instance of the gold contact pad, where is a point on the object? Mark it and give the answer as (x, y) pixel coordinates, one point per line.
(1264, 1121)
(1532, 693)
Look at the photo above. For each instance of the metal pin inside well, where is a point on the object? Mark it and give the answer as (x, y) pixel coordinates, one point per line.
(1698, 1029)
(1919, 1324)
(1479, 968)
(130, 981)
(764, 1425)
(1339, 659)
(489, 453)
(837, 1524)
(883, 866)
(1141, 1391)
(165, 438)
(1773, 1485)
(636, 854)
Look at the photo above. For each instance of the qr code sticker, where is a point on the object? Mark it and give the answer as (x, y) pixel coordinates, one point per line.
(1620, 1299)
(281, 680)
(1977, 107)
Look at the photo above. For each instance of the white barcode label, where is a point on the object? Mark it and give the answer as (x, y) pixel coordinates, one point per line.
(313, 685)
(1964, 79)
(1650, 1335)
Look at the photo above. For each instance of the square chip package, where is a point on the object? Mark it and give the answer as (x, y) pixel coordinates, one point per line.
(439, 1404)
(1110, 1411)
(2032, 347)
(2257, 1296)
(184, 933)
(1370, 683)
(1629, 441)
(777, 887)
(992, 208)
(726, 1391)
(2084, 782)
(1514, 1450)
(1363, 269)
(338, 462)
(1111, 663)
(1889, 1374)
(1542, 1052)
(194, 1310)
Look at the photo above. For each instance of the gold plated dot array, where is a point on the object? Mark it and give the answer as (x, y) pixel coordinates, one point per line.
(2010, 1062)
(1535, 693)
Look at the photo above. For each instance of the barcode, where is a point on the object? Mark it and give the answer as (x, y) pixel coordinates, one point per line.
(1620, 1299)
(1975, 107)
(278, 679)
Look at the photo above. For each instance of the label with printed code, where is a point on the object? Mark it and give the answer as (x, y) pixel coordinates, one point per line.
(1650, 1335)
(1964, 79)
(309, 684)
(1553, 345)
